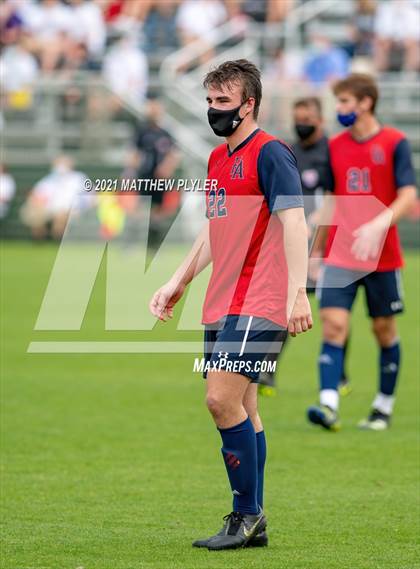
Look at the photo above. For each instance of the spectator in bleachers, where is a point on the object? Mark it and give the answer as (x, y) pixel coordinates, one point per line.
(112, 10)
(363, 24)
(266, 10)
(324, 62)
(11, 23)
(196, 21)
(237, 18)
(397, 27)
(124, 16)
(52, 198)
(76, 59)
(125, 70)
(18, 73)
(89, 27)
(283, 77)
(7, 191)
(76, 62)
(254, 9)
(285, 66)
(159, 27)
(50, 24)
(54, 30)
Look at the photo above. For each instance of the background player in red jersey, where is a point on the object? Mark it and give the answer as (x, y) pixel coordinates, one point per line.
(257, 285)
(374, 187)
(311, 149)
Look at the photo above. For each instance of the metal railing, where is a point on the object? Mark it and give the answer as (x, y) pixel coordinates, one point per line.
(37, 135)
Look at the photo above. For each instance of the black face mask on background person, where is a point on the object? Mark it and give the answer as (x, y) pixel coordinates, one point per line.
(304, 131)
(224, 123)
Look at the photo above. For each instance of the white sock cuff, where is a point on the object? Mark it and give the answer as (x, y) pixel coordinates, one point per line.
(330, 398)
(384, 403)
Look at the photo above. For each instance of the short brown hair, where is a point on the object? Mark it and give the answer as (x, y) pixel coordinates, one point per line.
(238, 71)
(360, 85)
(307, 102)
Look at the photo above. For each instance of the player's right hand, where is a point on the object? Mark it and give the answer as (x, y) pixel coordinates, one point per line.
(369, 238)
(300, 319)
(163, 301)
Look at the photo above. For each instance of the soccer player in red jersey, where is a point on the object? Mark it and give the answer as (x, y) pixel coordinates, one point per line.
(374, 187)
(256, 239)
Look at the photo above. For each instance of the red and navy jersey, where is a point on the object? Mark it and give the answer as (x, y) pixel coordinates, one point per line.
(369, 173)
(249, 275)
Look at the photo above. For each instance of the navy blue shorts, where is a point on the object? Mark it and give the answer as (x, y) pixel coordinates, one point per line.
(240, 344)
(384, 296)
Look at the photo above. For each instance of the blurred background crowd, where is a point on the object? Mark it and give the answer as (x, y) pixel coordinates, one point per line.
(114, 87)
(62, 37)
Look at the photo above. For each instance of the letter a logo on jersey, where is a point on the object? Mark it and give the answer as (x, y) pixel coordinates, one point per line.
(237, 169)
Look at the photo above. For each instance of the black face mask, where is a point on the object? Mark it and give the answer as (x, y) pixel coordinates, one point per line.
(304, 131)
(224, 123)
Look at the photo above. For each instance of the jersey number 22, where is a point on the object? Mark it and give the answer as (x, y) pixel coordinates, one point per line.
(216, 203)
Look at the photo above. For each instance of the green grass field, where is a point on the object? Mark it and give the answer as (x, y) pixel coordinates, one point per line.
(112, 461)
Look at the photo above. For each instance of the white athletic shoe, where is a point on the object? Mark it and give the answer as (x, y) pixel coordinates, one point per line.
(376, 421)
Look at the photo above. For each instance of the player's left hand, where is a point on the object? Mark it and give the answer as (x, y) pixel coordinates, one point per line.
(368, 240)
(163, 301)
(301, 316)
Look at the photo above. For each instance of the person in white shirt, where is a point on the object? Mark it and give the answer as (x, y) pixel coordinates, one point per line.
(197, 20)
(125, 70)
(7, 191)
(88, 26)
(18, 73)
(49, 24)
(397, 25)
(52, 199)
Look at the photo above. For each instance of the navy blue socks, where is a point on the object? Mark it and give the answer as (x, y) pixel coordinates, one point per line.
(330, 370)
(389, 364)
(261, 456)
(240, 455)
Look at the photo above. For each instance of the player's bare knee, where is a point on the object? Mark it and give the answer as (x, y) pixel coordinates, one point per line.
(213, 404)
(217, 406)
(334, 329)
(385, 330)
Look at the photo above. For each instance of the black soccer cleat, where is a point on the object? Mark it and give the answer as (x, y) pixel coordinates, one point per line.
(325, 417)
(223, 531)
(240, 530)
(259, 540)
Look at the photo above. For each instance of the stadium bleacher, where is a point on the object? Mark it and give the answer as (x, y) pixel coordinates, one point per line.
(32, 134)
